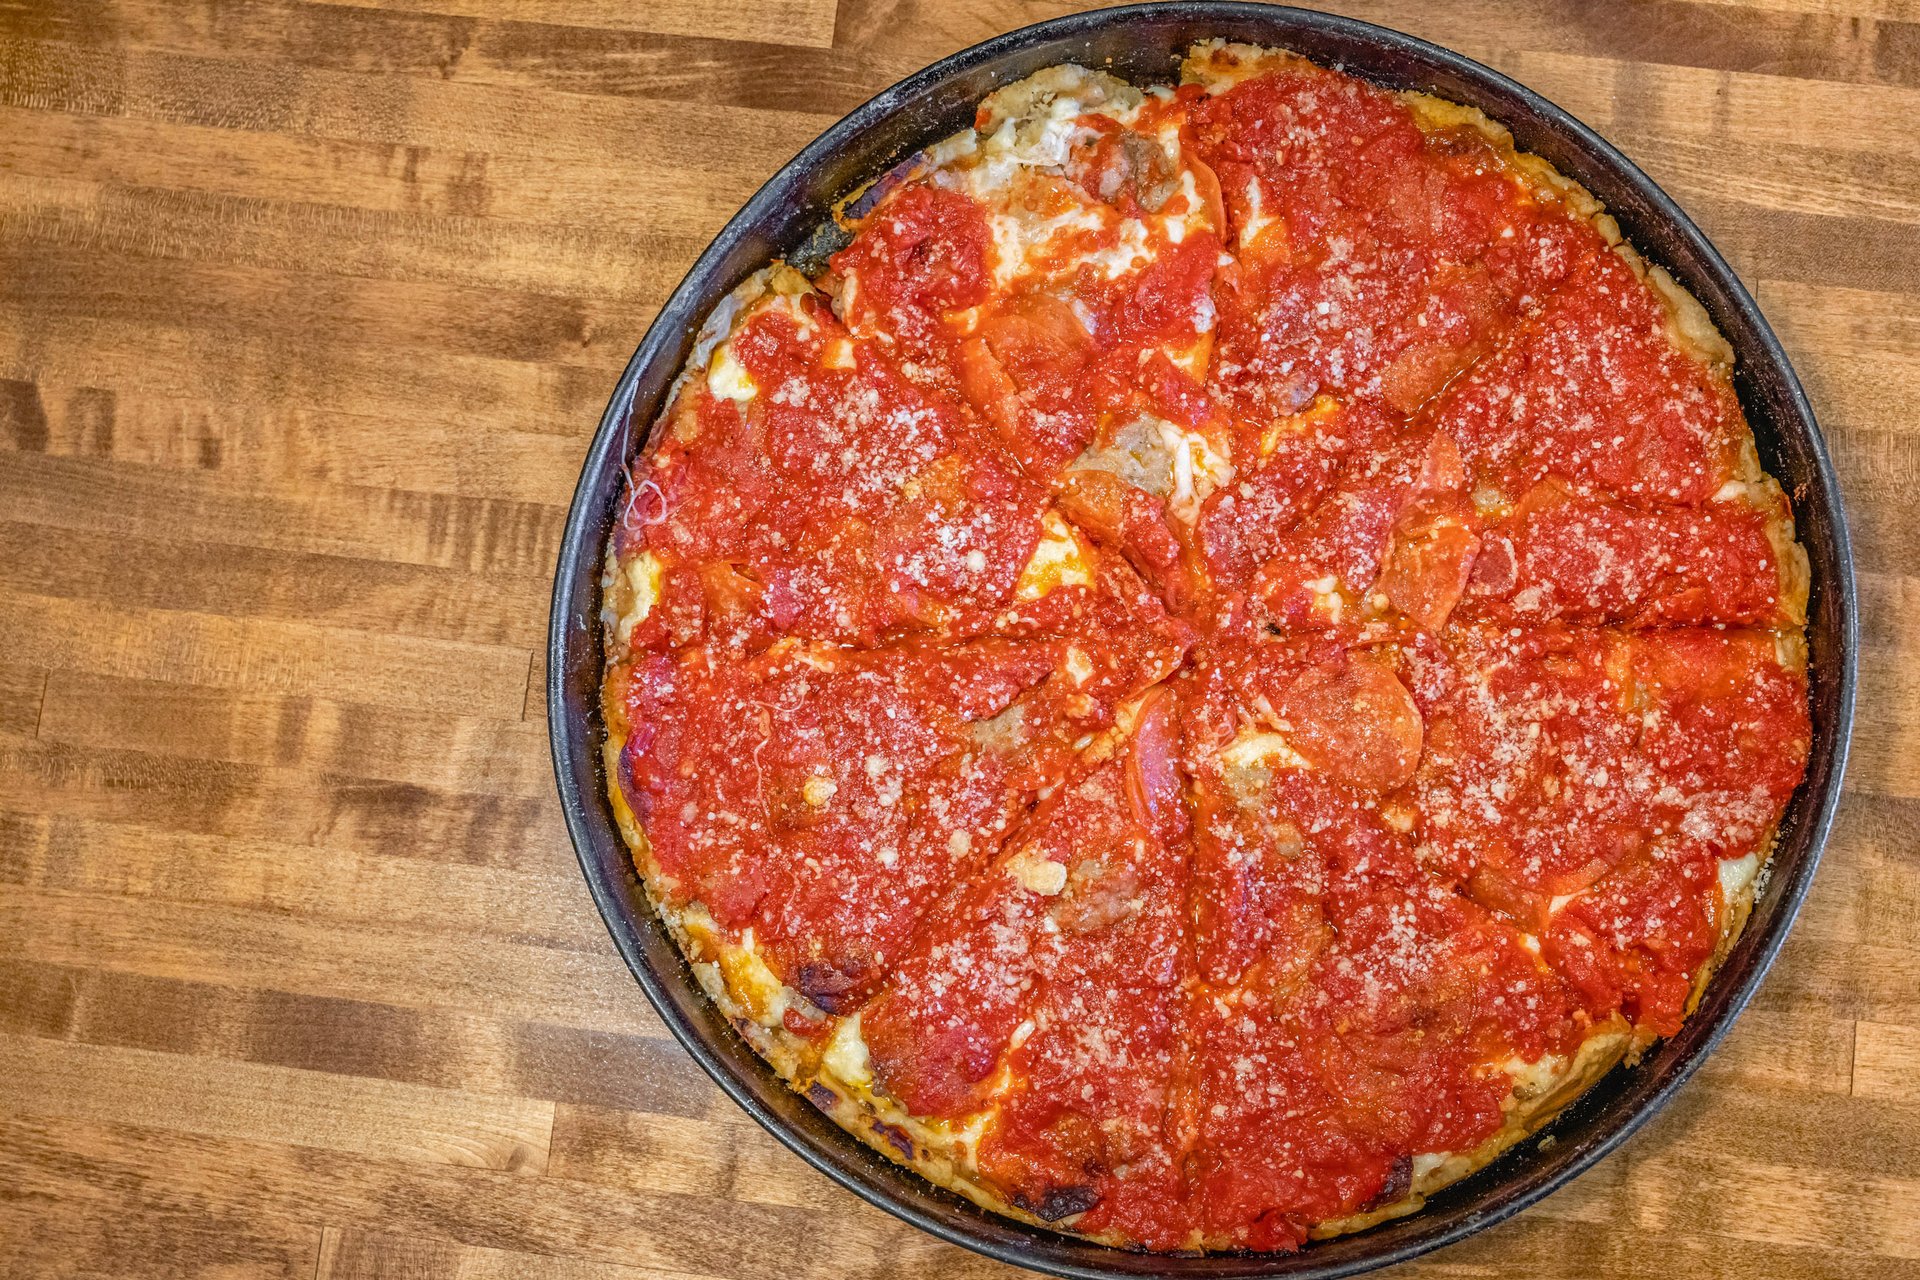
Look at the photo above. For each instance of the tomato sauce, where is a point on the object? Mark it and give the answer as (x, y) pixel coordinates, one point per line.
(1569, 557)
(913, 522)
(1593, 390)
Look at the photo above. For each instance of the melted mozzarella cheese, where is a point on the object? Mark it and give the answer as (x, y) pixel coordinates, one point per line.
(1254, 747)
(1021, 240)
(1130, 252)
(1531, 1079)
(839, 354)
(1040, 141)
(1078, 665)
(1329, 600)
(1258, 219)
(846, 1056)
(1737, 874)
(728, 379)
(1197, 470)
(733, 972)
(753, 982)
(631, 590)
(1060, 560)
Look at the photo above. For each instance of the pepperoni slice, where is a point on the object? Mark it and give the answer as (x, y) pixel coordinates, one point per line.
(1153, 782)
(1427, 565)
(1354, 719)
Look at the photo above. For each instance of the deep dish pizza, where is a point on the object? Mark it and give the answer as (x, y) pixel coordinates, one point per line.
(1231, 655)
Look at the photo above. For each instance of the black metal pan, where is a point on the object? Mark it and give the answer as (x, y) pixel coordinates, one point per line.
(790, 216)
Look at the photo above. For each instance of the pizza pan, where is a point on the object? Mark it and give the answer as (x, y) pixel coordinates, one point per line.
(789, 216)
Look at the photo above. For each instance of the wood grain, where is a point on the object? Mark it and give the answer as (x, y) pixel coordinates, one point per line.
(307, 312)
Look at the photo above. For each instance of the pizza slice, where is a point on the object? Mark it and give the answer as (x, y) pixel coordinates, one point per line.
(808, 803)
(1613, 793)
(1383, 242)
(1562, 556)
(1362, 1034)
(1033, 1029)
(1395, 542)
(1618, 384)
(1054, 266)
(804, 486)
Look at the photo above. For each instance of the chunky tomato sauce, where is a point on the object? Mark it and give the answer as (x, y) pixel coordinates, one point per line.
(1227, 637)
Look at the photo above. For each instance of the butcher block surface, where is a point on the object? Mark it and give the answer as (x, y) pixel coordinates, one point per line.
(307, 314)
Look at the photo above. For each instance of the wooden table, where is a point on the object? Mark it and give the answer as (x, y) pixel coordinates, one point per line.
(307, 312)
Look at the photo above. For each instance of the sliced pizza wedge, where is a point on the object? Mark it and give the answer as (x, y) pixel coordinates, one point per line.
(804, 486)
(1054, 266)
(1054, 262)
(810, 802)
(1034, 1024)
(1383, 242)
(1559, 555)
(1611, 792)
(1617, 384)
(1362, 1033)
